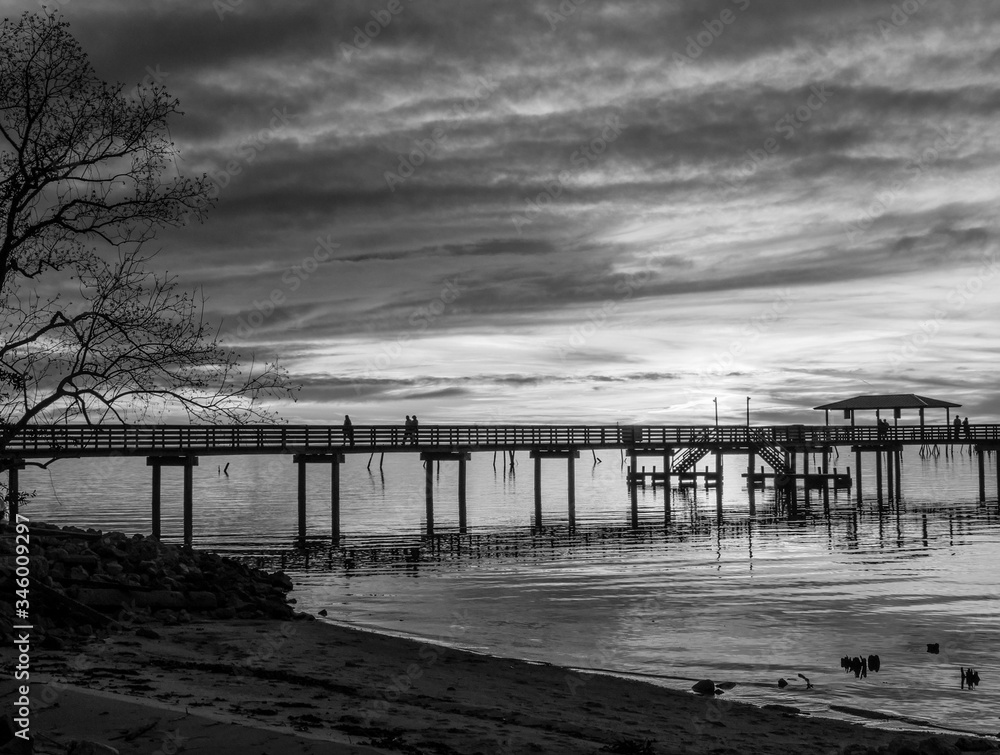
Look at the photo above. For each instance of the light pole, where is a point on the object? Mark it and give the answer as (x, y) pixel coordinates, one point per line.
(716, 402)
(748, 411)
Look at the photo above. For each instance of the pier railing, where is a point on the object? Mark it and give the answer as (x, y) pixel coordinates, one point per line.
(74, 440)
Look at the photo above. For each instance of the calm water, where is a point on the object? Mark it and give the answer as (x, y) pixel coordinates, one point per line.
(746, 599)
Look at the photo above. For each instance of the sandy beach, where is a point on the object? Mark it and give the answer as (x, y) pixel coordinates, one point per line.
(265, 686)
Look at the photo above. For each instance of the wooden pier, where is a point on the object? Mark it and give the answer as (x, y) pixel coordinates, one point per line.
(678, 449)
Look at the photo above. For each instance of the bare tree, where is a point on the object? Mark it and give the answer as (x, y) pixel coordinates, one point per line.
(89, 332)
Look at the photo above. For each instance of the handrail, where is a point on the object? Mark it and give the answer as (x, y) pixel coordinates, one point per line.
(67, 439)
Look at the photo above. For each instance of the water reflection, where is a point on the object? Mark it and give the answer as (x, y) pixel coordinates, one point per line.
(748, 597)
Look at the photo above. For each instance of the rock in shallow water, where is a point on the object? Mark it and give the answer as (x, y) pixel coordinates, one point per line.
(704, 687)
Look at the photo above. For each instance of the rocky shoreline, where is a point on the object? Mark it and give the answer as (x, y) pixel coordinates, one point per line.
(84, 582)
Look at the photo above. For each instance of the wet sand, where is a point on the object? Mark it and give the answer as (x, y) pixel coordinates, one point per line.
(261, 686)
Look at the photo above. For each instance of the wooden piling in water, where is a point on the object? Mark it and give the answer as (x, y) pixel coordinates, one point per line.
(826, 480)
(538, 492)
(571, 489)
(857, 465)
(429, 495)
(718, 483)
(878, 476)
(981, 463)
(302, 502)
(156, 501)
(890, 475)
(899, 473)
(462, 517)
(335, 500)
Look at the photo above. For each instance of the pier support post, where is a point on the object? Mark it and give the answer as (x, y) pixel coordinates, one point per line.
(538, 493)
(857, 465)
(302, 502)
(668, 468)
(981, 462)
(188, 462)
(429, 495)
(878, 475)
(156, 501)
(335, 499)
(634, 488)
(462, 516)
(334, 460)
(899, 475)
(793, 493)
(571, 489)
(189, 499)
(570, 454)
(826, 479)
(429, 458)
(751, 488)
(718, 483)
(890, 475)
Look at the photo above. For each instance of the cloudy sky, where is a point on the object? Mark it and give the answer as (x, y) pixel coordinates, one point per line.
(515, 211)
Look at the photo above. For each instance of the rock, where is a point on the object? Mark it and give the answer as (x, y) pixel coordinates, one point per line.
(970, 744)
(936, 746)
(86, 560)
(202, 600)
(148, 633)
(113, 568)
(84, 747)
(934, 648)
(280, 579)
(782, 683)
(704, 687)
(51, 642)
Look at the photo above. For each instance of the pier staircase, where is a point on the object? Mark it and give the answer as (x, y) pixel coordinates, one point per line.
(770, 452)
(687, 459)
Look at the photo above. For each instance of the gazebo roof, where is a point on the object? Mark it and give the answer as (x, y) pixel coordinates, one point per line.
(890, 401)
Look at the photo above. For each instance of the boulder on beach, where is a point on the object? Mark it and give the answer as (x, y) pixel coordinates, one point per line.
(704, 687)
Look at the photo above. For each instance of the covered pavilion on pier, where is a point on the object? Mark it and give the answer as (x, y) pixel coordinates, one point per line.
(894, 401)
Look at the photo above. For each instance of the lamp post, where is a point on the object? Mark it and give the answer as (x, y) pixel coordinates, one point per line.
(716, 402)
(748, 411)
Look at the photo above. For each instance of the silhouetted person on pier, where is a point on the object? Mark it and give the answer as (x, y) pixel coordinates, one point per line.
(965, 426)
(348, 429)
(413, 429)
(407, 429)
(958, 427)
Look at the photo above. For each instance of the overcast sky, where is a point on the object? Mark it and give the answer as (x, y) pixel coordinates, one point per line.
(586, 211)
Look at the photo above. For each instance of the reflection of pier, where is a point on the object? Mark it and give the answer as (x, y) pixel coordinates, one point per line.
(676, 449)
